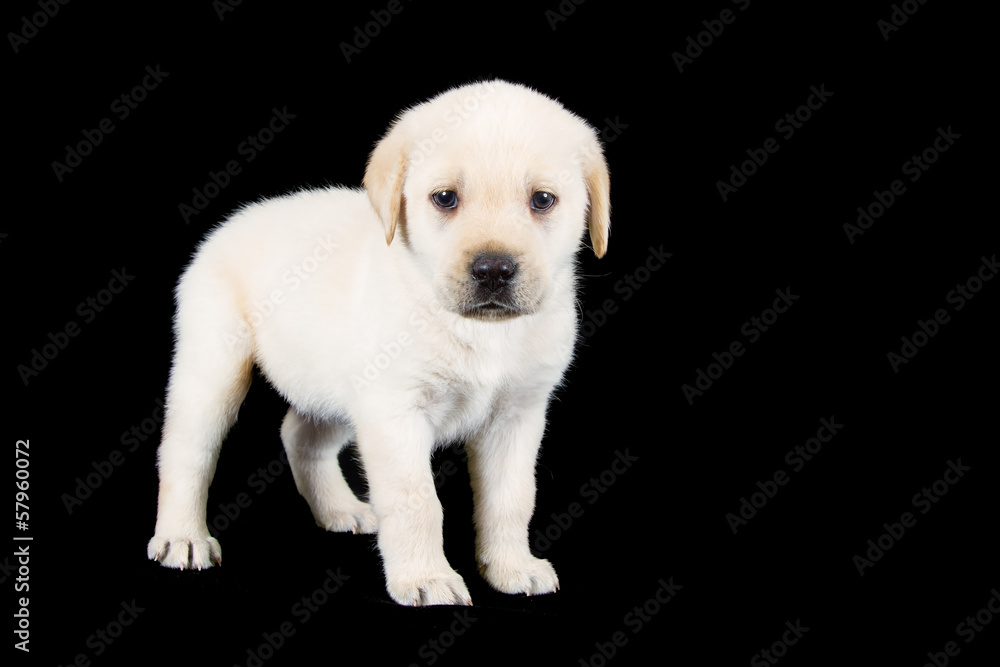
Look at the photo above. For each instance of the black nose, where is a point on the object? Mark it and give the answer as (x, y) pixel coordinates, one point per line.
(493, 272)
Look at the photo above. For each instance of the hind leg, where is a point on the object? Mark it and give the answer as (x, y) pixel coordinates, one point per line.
(312, 449)
(208, 382)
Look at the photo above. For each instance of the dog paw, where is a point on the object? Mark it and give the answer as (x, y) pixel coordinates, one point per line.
(528, 575)
(421, 590)
(185, 553)
(357, 519)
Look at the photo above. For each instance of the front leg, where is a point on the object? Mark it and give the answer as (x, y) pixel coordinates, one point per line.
(396, 453)
(502, 470)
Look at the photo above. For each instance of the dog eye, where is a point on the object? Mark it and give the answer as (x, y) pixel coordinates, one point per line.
(445, 198)
(542, 201)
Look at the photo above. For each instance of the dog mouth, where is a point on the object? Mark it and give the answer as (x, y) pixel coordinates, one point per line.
(492, 309)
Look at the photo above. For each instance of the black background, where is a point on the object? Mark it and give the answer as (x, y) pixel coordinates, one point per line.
(671, 135)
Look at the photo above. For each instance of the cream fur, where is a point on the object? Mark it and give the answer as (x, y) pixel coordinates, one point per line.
(387, 344)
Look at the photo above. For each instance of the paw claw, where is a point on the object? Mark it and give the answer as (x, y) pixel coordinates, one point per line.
(358, 520)
(529, 575)
(438, 588)
(186, 552)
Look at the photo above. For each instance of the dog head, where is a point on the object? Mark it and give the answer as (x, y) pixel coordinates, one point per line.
(490, 186)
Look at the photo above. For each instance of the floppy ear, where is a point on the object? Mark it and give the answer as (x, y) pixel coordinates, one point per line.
(384, 179)
(595, 175)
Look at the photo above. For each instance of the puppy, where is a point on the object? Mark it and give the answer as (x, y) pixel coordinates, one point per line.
(435, 306)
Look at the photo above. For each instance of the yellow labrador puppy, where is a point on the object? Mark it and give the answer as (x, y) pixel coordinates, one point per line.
(435, 306)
